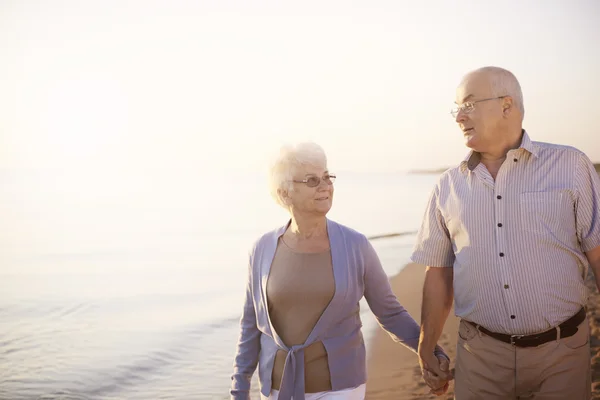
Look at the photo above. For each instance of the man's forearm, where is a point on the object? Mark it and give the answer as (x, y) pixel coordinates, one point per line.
(593, 257)
(437, 302)
(595, 264)
(597, 276)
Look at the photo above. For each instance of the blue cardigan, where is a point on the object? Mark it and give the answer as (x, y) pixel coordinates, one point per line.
(357, 272)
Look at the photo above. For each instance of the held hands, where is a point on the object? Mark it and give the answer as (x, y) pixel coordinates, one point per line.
(436, 372)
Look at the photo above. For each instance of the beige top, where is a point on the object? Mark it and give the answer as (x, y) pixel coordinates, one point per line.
(299, 288)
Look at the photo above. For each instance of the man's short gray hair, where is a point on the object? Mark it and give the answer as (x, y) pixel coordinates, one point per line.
(505, 83)
(286, 164)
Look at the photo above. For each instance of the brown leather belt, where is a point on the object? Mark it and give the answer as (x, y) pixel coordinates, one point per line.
(567, 328)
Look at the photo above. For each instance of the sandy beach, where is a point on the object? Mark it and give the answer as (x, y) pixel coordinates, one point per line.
(393, 371)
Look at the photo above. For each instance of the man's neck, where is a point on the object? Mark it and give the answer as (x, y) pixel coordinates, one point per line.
(494, 158)
(497, 155)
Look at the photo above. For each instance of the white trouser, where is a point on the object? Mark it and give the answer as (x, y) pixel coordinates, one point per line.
(357, 393)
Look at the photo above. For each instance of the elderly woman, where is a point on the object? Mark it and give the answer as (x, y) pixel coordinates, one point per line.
(301, 321)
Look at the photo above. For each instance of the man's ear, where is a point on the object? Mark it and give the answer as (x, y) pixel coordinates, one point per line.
(507, 106)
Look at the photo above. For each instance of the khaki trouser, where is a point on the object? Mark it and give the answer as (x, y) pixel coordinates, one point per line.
(488, 369)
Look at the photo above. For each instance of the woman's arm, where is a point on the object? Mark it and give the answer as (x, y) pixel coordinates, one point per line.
(248, 347)
(388, 311)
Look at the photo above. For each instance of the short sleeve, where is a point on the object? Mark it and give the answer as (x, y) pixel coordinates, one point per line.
(587, 208)
(433, 246)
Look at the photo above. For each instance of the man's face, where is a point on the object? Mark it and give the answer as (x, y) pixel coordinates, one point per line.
(480, 121)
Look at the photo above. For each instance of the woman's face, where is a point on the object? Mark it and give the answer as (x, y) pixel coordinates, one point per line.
(313, 190)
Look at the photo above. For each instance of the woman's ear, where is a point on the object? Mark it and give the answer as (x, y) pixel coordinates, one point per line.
(284, 196)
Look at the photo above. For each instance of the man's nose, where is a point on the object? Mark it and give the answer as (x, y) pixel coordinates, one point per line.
(461, 116)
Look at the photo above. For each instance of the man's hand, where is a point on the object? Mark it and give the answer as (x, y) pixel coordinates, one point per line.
(436, 373)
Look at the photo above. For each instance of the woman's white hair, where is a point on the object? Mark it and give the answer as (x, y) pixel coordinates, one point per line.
(286, 164)
(505, 83)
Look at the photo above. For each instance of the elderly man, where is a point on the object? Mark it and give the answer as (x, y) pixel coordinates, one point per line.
(509, 234)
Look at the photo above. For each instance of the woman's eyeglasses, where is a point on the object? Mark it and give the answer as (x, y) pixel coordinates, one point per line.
(314, 181)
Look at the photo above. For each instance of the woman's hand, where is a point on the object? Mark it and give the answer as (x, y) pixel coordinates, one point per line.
(436, 373)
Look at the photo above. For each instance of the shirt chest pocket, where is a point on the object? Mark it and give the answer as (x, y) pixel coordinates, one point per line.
(548, 213)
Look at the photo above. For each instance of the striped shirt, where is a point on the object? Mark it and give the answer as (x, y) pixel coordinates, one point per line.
(516, 244)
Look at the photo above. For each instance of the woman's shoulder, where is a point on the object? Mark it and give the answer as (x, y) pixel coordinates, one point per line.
(336, 230)
(349, 234)
(267, 238)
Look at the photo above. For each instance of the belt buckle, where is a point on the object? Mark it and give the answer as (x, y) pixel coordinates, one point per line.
(513, 337)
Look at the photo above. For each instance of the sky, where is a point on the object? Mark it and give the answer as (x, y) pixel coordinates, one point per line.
(218, 86)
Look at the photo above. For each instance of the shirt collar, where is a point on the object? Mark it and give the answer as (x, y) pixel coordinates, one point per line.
(473, 158)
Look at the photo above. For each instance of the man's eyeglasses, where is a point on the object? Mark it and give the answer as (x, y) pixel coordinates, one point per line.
(469, 106)
(314, 181)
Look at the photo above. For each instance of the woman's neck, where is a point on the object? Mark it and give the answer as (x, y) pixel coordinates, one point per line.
(307, 235)
(308, 228)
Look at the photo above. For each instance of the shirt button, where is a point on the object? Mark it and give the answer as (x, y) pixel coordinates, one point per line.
(515, 160)
(498, 197)
(501, 254)
(505, 286)
(500, 225)
(512, 317)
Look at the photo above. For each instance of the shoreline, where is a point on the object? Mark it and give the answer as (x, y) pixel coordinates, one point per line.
(393, 370)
